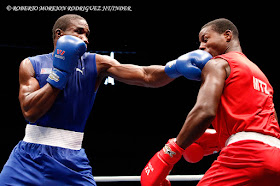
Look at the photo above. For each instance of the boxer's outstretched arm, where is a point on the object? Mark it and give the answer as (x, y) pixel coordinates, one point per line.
(34, 102)
(200, 117)
(147, 76)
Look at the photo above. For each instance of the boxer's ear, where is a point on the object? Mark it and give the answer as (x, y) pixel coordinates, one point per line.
(228, 35)
(58, 33)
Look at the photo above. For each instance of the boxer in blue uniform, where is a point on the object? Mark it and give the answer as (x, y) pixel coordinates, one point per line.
(57, 92)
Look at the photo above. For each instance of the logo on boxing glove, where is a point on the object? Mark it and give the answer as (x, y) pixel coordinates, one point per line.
(167, 150)
(59, 54)
(149, 168)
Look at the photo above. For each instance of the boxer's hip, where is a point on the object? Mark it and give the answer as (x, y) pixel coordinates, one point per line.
(53, 137)
(255, 136)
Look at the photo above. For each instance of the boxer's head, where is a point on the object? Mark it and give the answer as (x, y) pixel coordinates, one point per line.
(217, 36)
(71, 24)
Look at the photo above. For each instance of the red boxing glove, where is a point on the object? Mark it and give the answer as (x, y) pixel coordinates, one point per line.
(165, 182)
(155, 172)
(194, 153)
(207, 144)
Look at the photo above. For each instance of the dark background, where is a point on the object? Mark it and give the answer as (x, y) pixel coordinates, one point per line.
(129, 124)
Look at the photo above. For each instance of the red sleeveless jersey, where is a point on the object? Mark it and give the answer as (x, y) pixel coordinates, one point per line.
(247, 100)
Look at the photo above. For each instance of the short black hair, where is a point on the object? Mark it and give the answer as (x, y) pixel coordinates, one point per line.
(221, 25)
(63, 22)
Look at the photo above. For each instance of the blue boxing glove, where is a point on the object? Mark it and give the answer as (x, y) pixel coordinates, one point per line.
(189, 65)
(68, 51)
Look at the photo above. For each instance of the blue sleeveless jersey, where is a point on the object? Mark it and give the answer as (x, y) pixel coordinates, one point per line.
(74, 103)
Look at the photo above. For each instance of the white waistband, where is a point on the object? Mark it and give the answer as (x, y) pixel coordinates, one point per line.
(53, 137)
(269, 140)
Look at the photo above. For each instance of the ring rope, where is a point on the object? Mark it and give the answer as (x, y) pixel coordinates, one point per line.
(137, 178)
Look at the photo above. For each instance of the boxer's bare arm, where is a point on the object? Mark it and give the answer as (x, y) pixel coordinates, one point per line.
(213, 77)
(34, 101)
(147, 76)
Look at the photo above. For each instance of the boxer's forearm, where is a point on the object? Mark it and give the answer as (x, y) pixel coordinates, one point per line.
(195, 125)
(156, 76)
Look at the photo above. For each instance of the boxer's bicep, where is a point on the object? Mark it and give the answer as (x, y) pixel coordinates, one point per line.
(27, 80)
(107, 66)
(213, 79)
(34, 101)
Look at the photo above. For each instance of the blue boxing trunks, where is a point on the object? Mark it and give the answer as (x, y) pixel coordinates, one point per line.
(41, 164)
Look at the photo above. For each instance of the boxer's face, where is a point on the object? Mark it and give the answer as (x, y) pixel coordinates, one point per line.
(212, 42)
(78, 28)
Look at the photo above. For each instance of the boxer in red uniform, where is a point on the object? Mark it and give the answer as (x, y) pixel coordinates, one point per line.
(237, 98)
